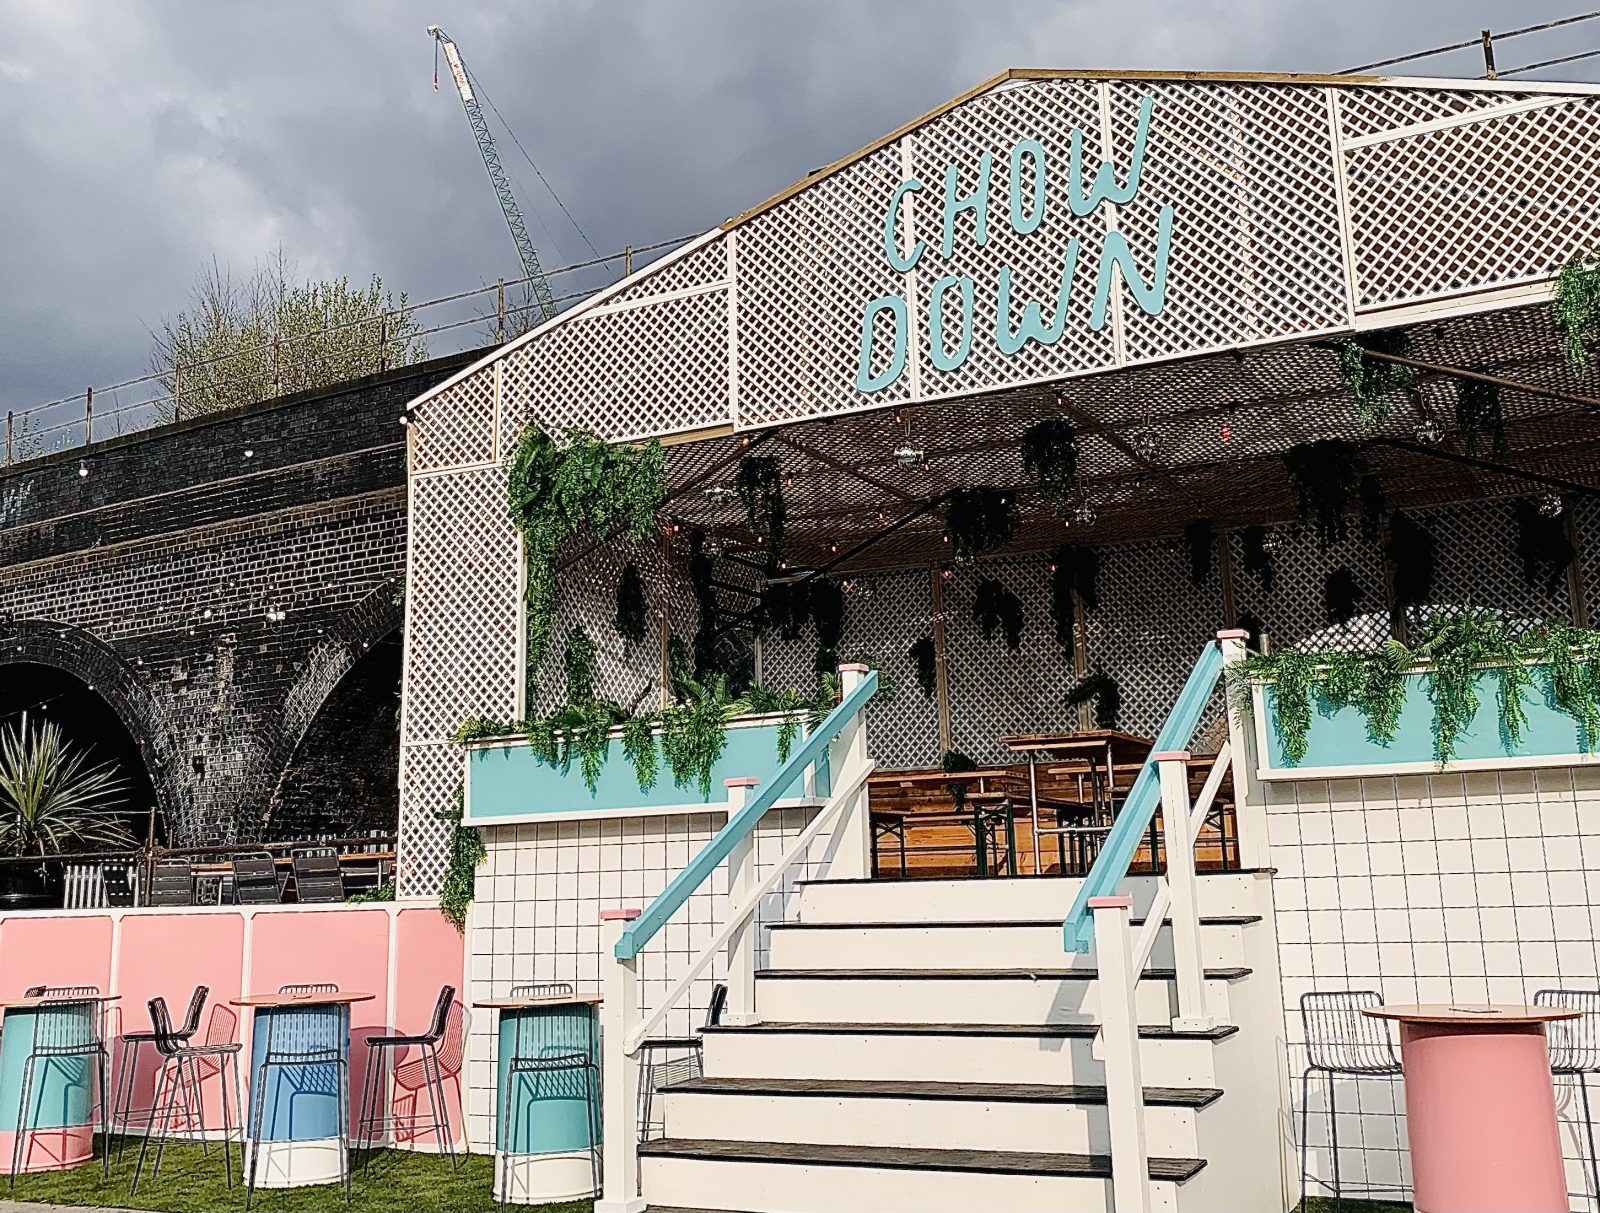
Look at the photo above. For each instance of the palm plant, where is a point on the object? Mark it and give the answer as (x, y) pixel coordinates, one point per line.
(51, 799)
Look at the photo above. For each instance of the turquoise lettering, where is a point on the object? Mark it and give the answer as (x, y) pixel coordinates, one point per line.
(866, 381)
(1117, 256)
(891, 248)
(977, 202)
(1105, 187)
(942, 358)
(1034, 150)
(1031, 325)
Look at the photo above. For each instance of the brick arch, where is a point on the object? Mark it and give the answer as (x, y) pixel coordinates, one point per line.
(100, 667)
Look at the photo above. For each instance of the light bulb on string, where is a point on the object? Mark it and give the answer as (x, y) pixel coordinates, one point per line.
(1550, 506)
(1428, 431)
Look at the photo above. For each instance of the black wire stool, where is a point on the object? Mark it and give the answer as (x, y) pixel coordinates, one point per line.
(1575, 1052)
(310, 1037)
(1340, 1040)
(122, 1110)
(184, 1068)
(64, 1029)
(376, 1116)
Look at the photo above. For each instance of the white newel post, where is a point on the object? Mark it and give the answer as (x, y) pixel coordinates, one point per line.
(1248, 808)
(1184, 909)
(1119, 1034)
(852, 856)
(740, 1011)
(619, 1071)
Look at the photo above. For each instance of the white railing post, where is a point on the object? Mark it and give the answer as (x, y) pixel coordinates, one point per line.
(852, 856)
(619, 1070)
(1119, 1034)
(1249, 813)
(1178, 837)
(740, 1011)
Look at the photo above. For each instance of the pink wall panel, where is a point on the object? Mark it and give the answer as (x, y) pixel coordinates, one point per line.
(428, 956)
(40, 950)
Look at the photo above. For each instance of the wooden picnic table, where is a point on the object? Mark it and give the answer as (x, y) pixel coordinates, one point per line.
(1095, 754)
(983, 797)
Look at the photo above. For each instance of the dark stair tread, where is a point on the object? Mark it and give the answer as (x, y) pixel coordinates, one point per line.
(1079, 1030)
(998, 1092)
(1213, 920)
(1232, 973)
(1014, 1162)
(1031, 878)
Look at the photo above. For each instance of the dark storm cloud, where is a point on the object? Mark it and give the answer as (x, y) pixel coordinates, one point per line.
(138, 140)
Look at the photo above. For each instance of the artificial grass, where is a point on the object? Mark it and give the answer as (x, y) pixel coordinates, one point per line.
(1326, 1204)
(400, 1181)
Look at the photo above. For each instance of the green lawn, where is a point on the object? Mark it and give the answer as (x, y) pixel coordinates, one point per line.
(1324, 1204)
(400, 1182)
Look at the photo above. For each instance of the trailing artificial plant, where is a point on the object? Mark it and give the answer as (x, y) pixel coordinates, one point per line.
(1452, 654)
(708, 611)
(466, 852)
(826, 606)
(980, 520)
(1255, 557)
(1330, 478)
(1073, 570)
(631, 620)
(1410, 550)
(996, 609)
(1050, 457)
(1373, 381)
(1100, 689)
(760, 485)
(925, 661)
(1543, 548)
(559, 486)
(1200, 539)
(1341, 594)
(1576, 307)
(1479, 414)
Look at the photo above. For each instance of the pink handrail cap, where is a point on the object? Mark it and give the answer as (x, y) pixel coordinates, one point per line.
(1171, 756)
(627, 915)
(1120, 902)
(1233, 634)
(741, 781)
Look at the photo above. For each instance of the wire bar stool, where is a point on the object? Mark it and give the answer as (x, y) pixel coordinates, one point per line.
(556, 1054)
(66, 1030)
(664, 1060)
(123, 1113)
(1575, 1052)
(376, 1116)
(1340, 1040)
(184, 1068)
(310, 1039)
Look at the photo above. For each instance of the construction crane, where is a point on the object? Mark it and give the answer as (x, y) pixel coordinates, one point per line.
(538, 285)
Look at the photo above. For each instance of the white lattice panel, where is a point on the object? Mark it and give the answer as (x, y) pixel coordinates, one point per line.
(1586, 523)
(456, 427)
(1476, 564)
(463, 610)
(885, 615)
(1378, 110)
(1293, 612)
(1504, 200)
(429, 777)
(702, 267)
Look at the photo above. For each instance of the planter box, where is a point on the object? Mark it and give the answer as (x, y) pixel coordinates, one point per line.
(1337, 744)
(506, 783)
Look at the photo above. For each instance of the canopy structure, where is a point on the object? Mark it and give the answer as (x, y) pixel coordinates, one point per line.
(1170, 261)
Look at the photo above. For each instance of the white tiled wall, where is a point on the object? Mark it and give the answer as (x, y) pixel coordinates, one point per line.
(536, 916)
(1436, 888)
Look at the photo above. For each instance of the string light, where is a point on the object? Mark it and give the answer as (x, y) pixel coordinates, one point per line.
(1550, 506)
(1428, 431)
(907, 455)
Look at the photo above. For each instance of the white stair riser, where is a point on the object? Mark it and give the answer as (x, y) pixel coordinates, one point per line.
(778, 1187)
(1040, 1000)
(1166, 1062)
(1027, 898)
(956, 947)
(944, 1124)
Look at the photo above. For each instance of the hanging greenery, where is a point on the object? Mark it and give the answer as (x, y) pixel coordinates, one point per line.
(1542, 547)
(827, 616)
(1050, 457)
(1328, 477)
(1411, 560)
(925, 661)
(630, 621)
(1341, 594)
(997, 609)
(1254, 555)
(1200, 538)
(1478, 412)
(695, 732)
(461, 870)
(980, 520)
(1452, 653)
(579, 663)
(1074, 569)
(1373, 381)
(1252, 626)
(760, 485)
(555, 488)
(1100, 689)
(680, 667)
(1576, 307)
(639, 748)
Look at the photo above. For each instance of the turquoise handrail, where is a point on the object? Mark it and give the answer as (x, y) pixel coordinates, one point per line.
(1133, 819)
(671, 899)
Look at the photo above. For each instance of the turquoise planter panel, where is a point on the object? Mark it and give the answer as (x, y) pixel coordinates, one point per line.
(550, 1111)
(510, 782)
(59, 1093)
(1338, 738)
(299, 1102)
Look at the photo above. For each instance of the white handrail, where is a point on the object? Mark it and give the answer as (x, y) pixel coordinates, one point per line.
(1146, 943)
(1208, 791)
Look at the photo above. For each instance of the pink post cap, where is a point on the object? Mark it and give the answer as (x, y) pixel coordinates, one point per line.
(854, 667)
(620, 915)
(1233, 634)
(1171, 756)
(1111, 903)
(743, 781)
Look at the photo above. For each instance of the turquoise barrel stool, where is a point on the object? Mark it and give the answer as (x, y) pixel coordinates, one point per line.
(52, 1053)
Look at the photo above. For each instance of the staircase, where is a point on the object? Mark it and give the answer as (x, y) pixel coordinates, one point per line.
(928, 1046)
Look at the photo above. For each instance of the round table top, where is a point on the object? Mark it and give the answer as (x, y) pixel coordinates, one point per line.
(22, 1004)
(1445, 1012)
(548, 1000)
(327, 998)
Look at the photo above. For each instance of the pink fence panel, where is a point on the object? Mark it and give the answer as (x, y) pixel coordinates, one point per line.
(46, 950)
(428, 956)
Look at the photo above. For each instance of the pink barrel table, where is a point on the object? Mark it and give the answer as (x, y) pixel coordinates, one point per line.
(1480, 1108)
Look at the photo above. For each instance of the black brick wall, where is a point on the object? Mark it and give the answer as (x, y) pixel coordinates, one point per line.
(153, 577)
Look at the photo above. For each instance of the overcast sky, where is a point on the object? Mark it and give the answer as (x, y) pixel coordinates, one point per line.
(141, 138)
